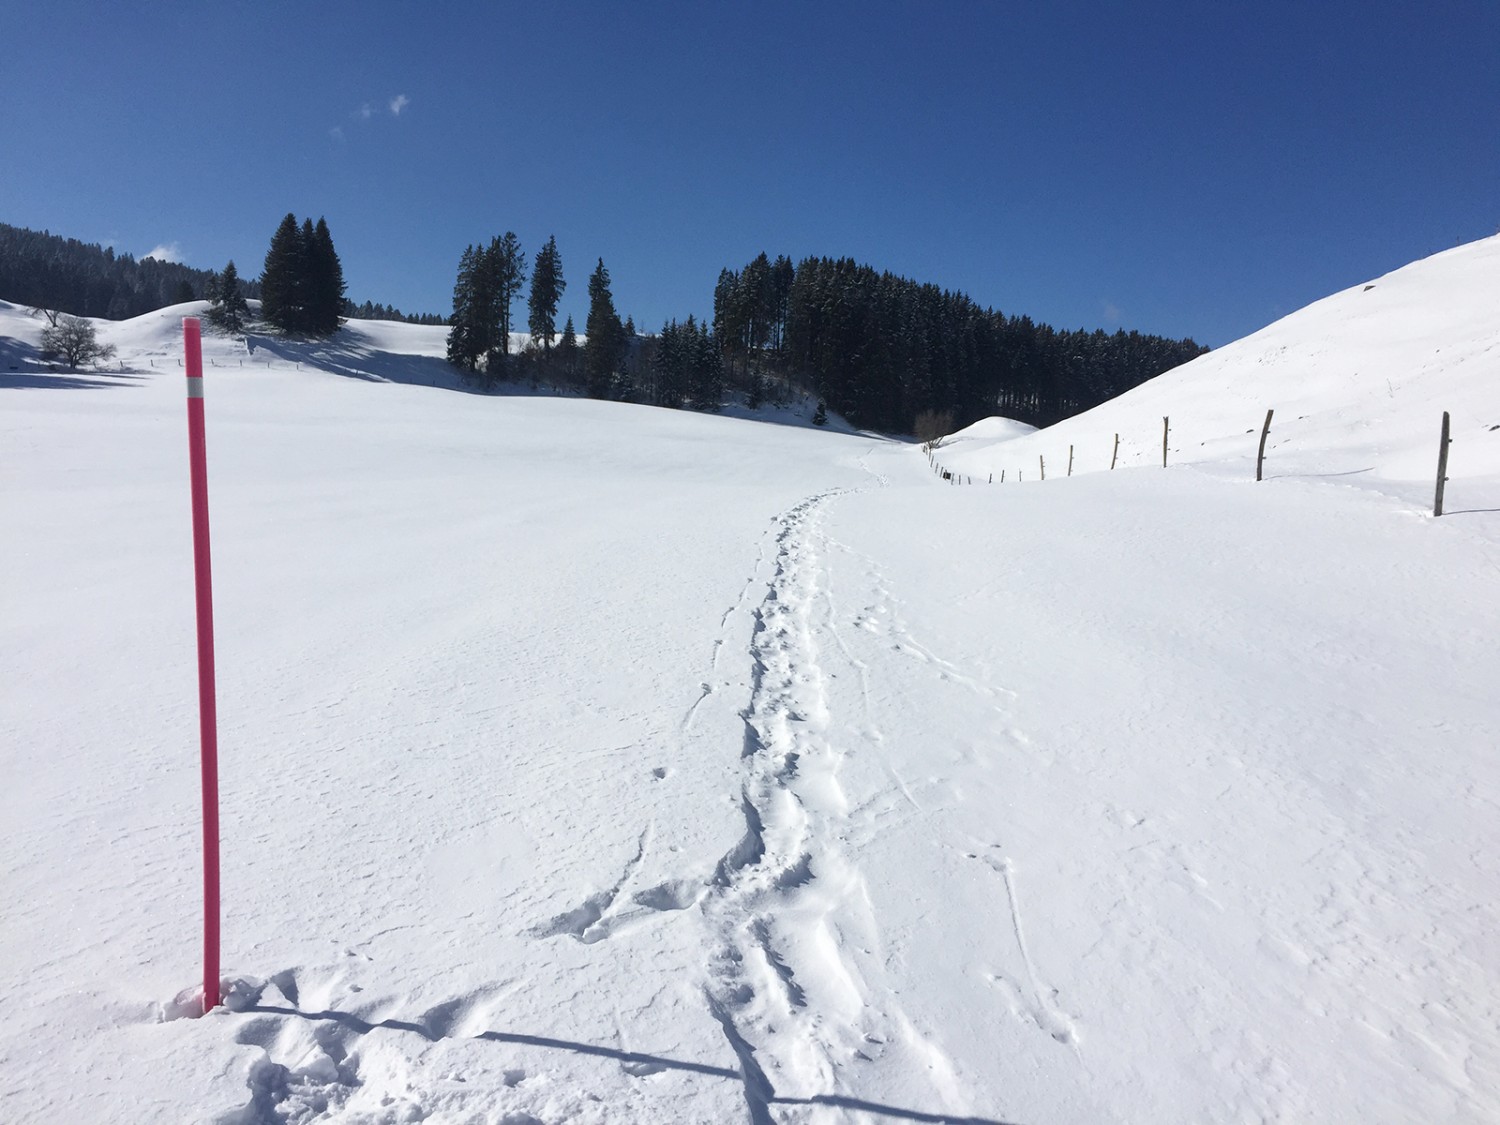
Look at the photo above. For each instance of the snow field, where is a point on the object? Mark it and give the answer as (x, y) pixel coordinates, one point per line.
(593, 763)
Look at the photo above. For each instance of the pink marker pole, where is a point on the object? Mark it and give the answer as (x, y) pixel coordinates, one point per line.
(208, 727)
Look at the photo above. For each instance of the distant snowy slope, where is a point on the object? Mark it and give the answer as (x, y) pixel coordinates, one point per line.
(1358, 380)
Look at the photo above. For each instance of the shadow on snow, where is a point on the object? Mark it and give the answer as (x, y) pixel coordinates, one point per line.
(636, 1058)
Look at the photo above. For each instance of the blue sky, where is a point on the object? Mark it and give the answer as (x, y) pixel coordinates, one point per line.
(1186, 169)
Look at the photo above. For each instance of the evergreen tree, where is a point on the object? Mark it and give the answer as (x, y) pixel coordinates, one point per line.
(604, 347)
(567, 349)
(756, 299)
(505, 270)
(281, 286)
(547, 287)
(184, 292)
(229, 309)
(305, 287)
(325, 283)
(466, 339)
(783, 274)
(820, 416)
(755, 395)
(668, 377)
(705, 369)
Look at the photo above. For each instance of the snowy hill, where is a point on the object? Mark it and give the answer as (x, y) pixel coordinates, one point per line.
(585, 762)
(1358, 382)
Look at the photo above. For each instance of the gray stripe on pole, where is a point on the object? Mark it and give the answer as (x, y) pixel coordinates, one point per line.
(195, 387)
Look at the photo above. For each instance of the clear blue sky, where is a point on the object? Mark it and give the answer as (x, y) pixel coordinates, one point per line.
(1181, 168)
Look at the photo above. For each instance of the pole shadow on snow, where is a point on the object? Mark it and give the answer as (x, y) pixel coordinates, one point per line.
(631, 1058)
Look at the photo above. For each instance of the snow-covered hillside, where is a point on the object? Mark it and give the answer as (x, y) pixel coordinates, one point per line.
(1358, 381)
(585, 762)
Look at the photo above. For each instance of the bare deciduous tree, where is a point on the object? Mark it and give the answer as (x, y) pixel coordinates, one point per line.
(72, 340)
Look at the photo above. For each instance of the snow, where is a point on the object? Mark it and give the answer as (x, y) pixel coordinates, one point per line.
(585, 762)
(1358, 382)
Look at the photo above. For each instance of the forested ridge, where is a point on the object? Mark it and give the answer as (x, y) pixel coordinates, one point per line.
(882, 349)
(878, 348)
(46, 270)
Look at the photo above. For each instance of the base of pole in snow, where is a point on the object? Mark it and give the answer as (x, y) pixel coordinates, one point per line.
(192, 344)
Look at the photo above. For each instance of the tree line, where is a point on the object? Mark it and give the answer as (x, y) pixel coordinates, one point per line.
(490, 279)
(882, 349)
(876, 347)
(43, 270)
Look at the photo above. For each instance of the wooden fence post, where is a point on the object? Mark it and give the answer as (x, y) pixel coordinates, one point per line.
(1260, 457)
(1443, 444)
(1165, 429)
(1115, 454)
(1042, 461)
(1070, 460)
(1002, 476)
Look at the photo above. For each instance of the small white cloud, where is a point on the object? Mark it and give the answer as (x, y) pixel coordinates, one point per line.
(365, 112)
(165, 252)
(337, 133)
(398, 103)
(1112, 313)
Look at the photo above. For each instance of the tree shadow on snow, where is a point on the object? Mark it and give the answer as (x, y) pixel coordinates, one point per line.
(22, 366)
(342, 355)
(641, 1063)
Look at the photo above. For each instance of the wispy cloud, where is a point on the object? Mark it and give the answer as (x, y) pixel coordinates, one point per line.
(366, 112)
(165, 252)
(1112, 313)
